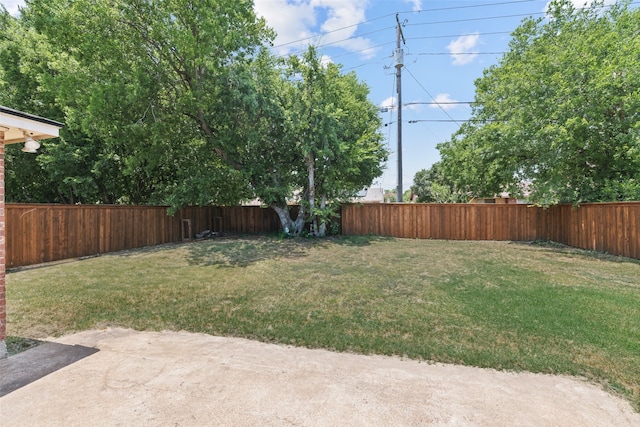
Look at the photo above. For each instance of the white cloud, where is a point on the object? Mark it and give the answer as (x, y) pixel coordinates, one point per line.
(326, 60)
(12, 6)
(417, 4)
(341, 14)
(290, 21)
(320, 22)
(464, 50)
(389, 103)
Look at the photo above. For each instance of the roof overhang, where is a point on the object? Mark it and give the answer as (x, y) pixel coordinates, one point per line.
(14, 124)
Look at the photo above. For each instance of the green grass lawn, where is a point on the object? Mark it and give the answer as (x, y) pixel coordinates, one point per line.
(512, 306)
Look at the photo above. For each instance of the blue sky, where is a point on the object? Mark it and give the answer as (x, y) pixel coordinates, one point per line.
(448, 45)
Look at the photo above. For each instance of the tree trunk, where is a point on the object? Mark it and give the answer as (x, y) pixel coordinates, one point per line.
(322, 229)
(289, 226)
(312, 193)
(300, 219)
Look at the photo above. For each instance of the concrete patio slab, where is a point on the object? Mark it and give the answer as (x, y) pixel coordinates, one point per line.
(184, 379)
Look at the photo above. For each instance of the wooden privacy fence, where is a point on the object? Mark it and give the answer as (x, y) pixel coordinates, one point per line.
(44, 233)
(37, 233)
(605, 227)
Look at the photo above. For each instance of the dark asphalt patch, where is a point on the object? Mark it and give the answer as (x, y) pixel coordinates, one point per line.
(25, 367)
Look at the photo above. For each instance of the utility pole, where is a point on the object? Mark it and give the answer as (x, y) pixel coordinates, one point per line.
(399, 63)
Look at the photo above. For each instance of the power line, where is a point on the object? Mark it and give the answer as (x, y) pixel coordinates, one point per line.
(408, 54)
(456, 121)
(470, 6)
(519, 15)
(361, 50)
(345, 40)
(392, 14)
(431, 96)
(455, 53)
(320, 35)
(482, 18)
(438, 103)
(334, 31)
(385, 44)
(437, 121)
(353, 37)
(412, 54)
(378, 62)
(448, 36)
(360, 66)
(431, 103)
(388, 15)
(449, 120)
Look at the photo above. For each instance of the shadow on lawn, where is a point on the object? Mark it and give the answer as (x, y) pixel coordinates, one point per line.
(358, 240)
(569, 251)
(241, 251)
(245, 250)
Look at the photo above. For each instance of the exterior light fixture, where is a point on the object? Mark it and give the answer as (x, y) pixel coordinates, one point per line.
(30, 144)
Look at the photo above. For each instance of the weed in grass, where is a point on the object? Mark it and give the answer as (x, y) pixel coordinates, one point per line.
(17, 345)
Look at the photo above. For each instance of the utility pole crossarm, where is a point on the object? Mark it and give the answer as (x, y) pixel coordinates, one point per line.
(400, 31)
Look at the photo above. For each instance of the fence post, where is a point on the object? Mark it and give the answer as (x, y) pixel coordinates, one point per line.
(186, 230)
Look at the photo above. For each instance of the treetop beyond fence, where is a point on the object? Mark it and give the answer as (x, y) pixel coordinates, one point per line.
(37, 233)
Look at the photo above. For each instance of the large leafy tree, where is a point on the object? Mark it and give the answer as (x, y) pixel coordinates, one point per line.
(303, 132)
(179, 102)
(560, 113)
(434, 186)
(144, 79)
(90, 162)
(24, 58)
(334, 128)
